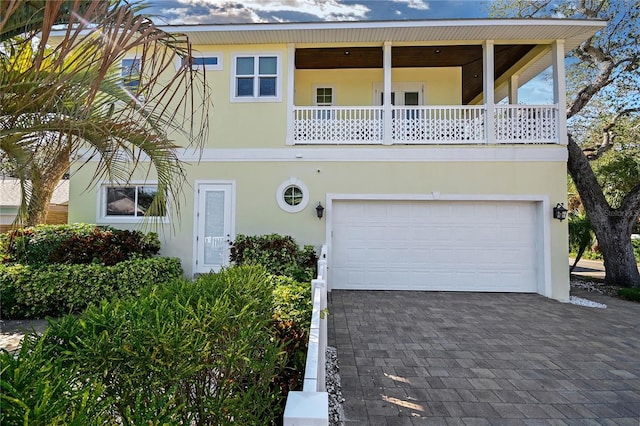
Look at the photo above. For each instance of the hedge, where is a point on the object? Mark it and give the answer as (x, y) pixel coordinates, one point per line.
(36, 291)
(281, 255)
(77, 243)
(199, 353)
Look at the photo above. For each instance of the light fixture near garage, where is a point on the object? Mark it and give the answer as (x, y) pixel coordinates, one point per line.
(559, 212)
(319, 211)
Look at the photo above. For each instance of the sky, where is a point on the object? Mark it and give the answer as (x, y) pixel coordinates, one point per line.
(537, 91)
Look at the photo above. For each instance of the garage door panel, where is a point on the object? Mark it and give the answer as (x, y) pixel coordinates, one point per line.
(429, 245)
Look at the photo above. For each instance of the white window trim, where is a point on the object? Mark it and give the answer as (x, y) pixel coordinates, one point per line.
(280, 195)
(314, 94)
(205, 54)
(256, 98)
(101, 208)
(122, 76)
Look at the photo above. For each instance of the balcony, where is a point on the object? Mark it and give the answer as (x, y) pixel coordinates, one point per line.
(425, 125)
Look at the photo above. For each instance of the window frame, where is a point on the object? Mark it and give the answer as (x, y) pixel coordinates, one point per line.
(102, 217)
(218, 55)
(123, 76)
(256, 76)
(324, 114)
(280, 195)
(324, 86)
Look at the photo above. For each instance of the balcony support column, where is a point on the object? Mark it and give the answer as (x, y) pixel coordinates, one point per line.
(386, 90)
(291, 71)
(488, 89)
(560, 89)
(513, 90)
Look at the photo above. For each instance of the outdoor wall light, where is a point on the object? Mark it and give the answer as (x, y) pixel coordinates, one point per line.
(320, 210)
(559, 212)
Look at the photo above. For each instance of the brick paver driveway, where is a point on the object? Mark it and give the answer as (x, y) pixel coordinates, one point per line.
(485, 359)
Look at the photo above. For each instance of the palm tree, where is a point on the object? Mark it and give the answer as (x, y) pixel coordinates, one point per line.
(63, 98)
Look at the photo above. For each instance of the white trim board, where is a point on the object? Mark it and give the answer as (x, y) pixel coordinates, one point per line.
(383, 154)
(543, 209)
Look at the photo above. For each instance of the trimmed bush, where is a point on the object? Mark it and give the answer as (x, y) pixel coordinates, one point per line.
(36, 291)
(199, 353)
(77, 243)
(281, 255)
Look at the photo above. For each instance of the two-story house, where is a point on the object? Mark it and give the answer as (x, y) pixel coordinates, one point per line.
(431, 174)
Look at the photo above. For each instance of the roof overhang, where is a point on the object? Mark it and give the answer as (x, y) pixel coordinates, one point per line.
(508, 31)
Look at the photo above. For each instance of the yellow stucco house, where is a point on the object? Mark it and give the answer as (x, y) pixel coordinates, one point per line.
(410, 136)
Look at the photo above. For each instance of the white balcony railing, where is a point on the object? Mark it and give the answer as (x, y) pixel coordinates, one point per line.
(526, 124)
(358, 125)
(449, 124)
(438, 124)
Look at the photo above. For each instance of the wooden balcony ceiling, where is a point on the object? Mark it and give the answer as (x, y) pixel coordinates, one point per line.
(467, 57)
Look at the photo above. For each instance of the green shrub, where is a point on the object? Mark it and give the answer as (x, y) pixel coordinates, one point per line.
(199, 353)
(36, 291)
(280, 255)
(632, 294)
(636, 249)
(77, 243)
(38, 388)
(292, 306)
(292, 302)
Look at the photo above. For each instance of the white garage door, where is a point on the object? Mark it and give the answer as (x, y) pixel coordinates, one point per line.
(435, 245)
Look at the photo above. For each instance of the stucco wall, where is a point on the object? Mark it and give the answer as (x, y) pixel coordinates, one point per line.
(257, 211)
(442, 86)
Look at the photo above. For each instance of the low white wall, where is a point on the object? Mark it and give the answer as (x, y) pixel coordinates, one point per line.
(310, 407)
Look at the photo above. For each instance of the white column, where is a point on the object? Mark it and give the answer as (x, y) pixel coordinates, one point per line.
(513, 90)
(488, 90)
(560, 89)
(291, 71)
(386, 102)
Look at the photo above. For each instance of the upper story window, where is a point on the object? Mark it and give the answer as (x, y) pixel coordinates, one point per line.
(256, 78)
(208, 61)
(131, 72)
(324, 96)
(128, 203)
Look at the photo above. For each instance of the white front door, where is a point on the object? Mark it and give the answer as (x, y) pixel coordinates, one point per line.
(214, 226)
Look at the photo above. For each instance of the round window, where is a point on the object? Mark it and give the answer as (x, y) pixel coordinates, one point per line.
(292, 196)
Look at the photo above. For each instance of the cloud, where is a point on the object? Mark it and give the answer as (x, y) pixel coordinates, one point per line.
(414, 4)
(221, 11)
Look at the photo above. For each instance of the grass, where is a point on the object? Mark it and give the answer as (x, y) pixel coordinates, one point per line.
(632, 294)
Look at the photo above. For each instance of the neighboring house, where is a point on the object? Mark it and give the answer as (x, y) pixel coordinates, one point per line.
(428, 182)
(10, 198)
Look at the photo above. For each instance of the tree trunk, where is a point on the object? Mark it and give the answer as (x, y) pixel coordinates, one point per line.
(619, 261)
(43, 184)
(611, 226)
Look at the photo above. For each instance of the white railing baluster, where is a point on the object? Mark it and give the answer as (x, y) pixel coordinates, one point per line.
(526, 124)
(432, 125)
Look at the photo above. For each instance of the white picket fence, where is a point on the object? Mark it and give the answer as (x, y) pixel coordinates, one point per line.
(310, 407)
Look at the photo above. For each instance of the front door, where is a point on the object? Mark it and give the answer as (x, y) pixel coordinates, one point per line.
(402, 94)
(214, 226)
